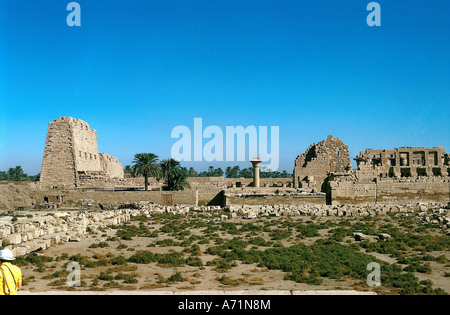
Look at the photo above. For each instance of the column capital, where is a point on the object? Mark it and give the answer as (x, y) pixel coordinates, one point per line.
(256, 162)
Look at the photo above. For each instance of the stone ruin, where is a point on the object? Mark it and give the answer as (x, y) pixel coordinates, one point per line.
(403, 162)
(313, 167)
(390, 176)
(25, 235)
(71, 158)
(323, 174)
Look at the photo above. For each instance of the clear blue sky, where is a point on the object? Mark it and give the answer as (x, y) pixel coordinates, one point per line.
(136, 69)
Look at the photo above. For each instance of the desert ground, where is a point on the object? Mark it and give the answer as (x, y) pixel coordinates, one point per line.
(212, 251)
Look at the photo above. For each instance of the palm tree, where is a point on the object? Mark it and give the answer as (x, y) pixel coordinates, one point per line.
(232, 172)
(17, 174)
(147, 165)
(174, 175)
(127, 169)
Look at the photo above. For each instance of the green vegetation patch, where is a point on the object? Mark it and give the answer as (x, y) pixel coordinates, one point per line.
(327, 259)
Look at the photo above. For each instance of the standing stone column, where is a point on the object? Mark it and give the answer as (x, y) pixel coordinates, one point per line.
(256, 162)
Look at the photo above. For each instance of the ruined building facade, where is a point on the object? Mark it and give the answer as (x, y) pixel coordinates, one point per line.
(403, 162)
(313, 167)
(387, 176)
(71, 158)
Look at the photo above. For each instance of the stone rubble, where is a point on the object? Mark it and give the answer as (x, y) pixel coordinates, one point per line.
(24, 235)
(438, 215)
(27, 234)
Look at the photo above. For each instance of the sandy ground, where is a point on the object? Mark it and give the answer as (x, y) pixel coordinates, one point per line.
(151, 278)
(204, 279)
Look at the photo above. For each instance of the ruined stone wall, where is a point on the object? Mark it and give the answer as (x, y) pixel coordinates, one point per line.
(221, 182)
(402, 162)
(70, 150)
(350, 192)
(273, 196)
(100, 181)
(210, 188)
(58, 165)
(28, 195)
(111, 166)
(211, 185)
(87, 158)
(312, 167)
(210, 196)
(188, 197)
(391, 191)
(14, 195)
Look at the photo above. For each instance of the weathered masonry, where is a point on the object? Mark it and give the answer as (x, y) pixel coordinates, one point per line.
(313, 167)
(71, 158)
(386, 176)
(403, 162)
(394, 176)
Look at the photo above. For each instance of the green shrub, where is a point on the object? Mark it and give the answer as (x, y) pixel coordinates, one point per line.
(194, 250)
(82, 260)
(250, 227)
(99, 245)
(57, 274)
(194, 262)
(171, 259)
(122, 246)
(259, 241)
(230, 228)
(171, 227)
(36, 260)
(143, 257)
(325, 258)
(308, 231)
(417, 267)
(118, 261)
(141, 218)
(222, 265)
(127, 278)
(105, 276)
(176, 277)
(203, 241)
(280, 234)
(95, 264)
(167, 242)
(229, 281)
(127, 231)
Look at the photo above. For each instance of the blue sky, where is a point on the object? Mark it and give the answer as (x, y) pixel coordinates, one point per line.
(134, 70)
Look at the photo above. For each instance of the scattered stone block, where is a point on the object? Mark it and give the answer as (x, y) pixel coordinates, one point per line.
(13, 239)
(360, 236)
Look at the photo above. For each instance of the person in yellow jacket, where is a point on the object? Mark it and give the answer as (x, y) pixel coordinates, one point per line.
(10, 275)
